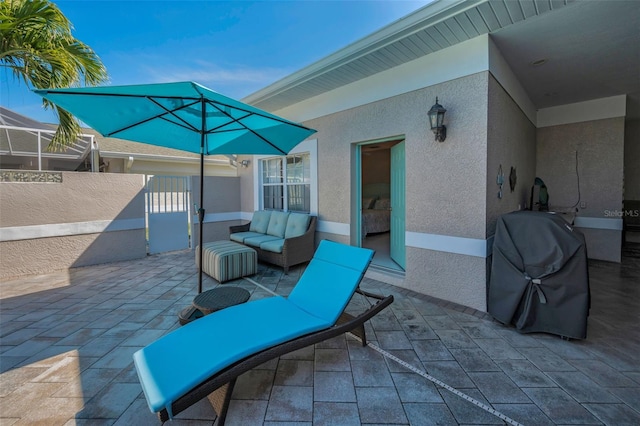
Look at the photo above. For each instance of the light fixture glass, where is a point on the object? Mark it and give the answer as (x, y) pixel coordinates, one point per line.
(436, 120)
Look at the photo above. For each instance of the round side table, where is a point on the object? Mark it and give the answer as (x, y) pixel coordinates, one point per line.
(219, 298)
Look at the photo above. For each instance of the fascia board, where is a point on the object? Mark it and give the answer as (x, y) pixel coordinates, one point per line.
(460, 60)
(429, 15)
(164, 158)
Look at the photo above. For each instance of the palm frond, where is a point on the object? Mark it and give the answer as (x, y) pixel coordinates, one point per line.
(37, 45)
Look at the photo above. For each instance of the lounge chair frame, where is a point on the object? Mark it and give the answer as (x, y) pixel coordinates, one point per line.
(218, 388)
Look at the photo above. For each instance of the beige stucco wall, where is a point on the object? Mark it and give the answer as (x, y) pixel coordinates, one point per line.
(442, 179)
(43, 255)
(221, 195)
(81, 199)
(449, 276)
(247, 184)
(600, 148)
(632, 160)
(511, 142)
(445, 182)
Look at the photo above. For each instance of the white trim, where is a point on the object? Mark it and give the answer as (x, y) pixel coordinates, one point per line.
(15, 233)
(460, 245)
(596, 109)
(444, 243)
(614, 224)
(427, 16)
(489, 242)
(449, 244)
(460, 60)
(167, 158)
(310, 146)
(219, 217)
(336, 228)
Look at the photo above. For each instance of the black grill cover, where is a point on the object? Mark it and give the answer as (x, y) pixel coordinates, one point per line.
(539, 277)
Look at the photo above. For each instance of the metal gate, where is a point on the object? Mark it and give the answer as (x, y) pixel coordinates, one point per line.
(168, 203)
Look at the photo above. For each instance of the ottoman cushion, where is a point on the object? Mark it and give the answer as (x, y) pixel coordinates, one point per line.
(227, 260)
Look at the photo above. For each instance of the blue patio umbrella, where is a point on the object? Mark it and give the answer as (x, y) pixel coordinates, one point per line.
(184, 116)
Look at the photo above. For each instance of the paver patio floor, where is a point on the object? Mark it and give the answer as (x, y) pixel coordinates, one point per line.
(67, 340)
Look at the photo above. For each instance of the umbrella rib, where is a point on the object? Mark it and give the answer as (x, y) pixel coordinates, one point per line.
(237, 120)
(186, 125)
(265, 115)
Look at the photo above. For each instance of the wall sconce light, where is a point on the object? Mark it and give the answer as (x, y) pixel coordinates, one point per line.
(244, 163)
(436, 118)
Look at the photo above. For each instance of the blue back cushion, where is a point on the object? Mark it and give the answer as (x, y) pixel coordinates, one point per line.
(330, 279)
(297, 225)
(260, 221)
(277, 224)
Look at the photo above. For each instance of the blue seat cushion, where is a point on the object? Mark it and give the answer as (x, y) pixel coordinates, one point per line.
(274, 246)
(174, 364)
(257, 240)
(241, 236)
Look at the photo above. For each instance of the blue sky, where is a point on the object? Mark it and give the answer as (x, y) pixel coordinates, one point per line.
(233, 47)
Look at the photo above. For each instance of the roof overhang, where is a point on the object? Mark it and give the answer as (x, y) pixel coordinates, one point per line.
(568, 33)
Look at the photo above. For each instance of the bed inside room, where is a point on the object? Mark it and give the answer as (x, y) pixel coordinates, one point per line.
(376, 209)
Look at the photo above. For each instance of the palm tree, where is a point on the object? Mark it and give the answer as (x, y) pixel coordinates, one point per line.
(36, 44)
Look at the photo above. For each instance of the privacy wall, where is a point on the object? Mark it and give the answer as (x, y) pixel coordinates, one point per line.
(222, 207)
(60, 220)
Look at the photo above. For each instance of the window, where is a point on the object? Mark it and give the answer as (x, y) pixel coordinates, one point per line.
(286, 183)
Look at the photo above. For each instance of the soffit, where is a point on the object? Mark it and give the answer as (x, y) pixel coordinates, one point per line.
(432, 28)
(591, 47)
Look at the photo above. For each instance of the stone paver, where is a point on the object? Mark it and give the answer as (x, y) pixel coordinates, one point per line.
(66, 341)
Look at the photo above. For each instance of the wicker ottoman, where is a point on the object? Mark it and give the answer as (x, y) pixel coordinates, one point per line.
(226, 260)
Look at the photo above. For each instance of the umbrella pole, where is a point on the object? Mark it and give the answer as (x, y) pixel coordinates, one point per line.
(201, 209)
(191, 313)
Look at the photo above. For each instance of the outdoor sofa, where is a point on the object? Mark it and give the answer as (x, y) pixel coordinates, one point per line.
(205, 357)
(280, 238)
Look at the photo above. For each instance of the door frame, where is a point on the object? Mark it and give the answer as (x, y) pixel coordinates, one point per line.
(398, 189)
(356, 186)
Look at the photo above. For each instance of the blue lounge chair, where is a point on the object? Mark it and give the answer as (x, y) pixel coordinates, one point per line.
(205, 357)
